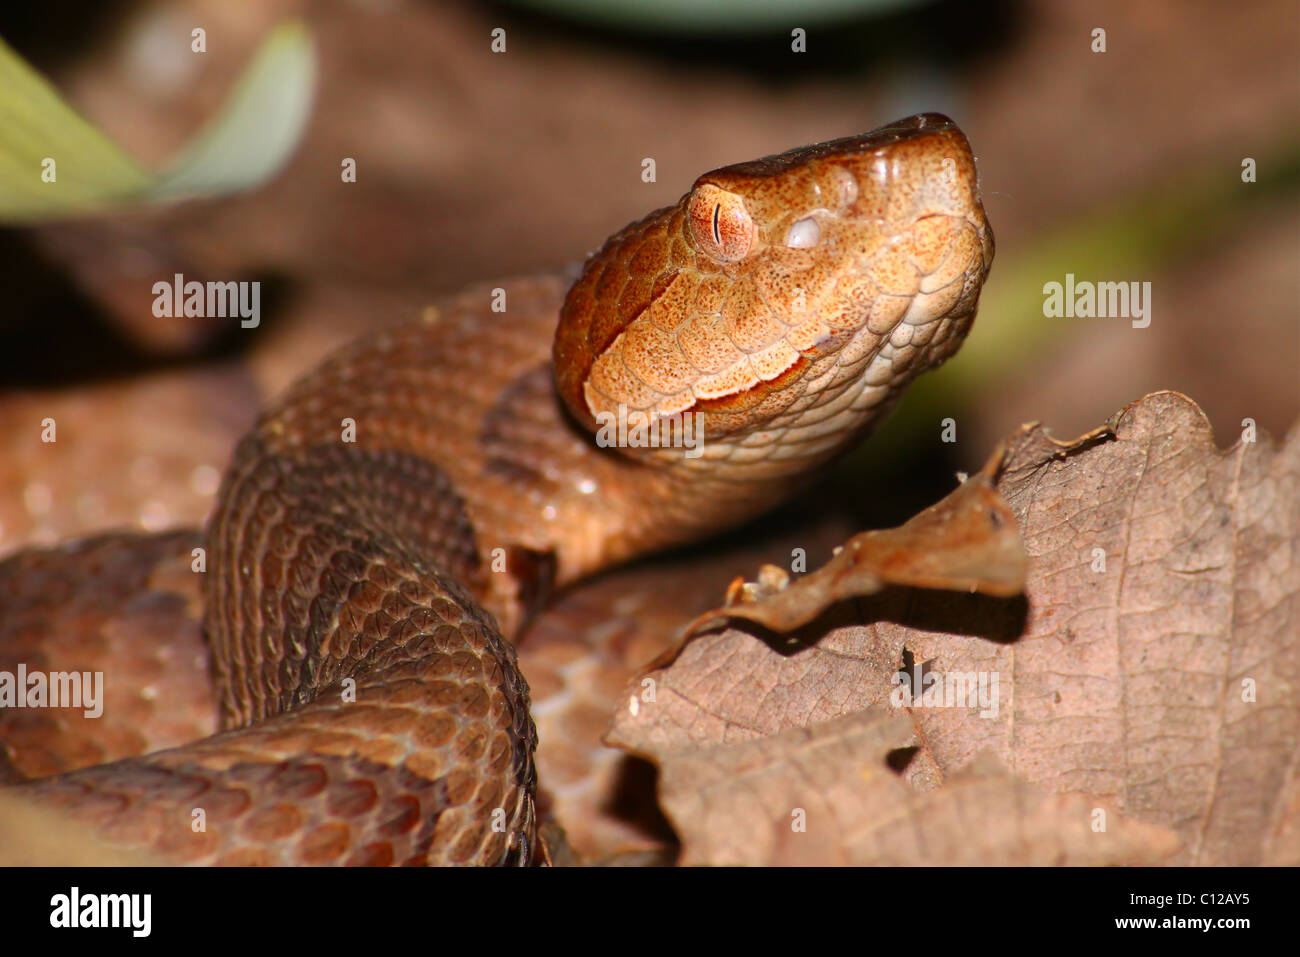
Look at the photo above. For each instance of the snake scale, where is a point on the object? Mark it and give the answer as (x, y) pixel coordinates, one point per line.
(391, 523)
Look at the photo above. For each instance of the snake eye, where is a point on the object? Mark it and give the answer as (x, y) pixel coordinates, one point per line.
(720, 224)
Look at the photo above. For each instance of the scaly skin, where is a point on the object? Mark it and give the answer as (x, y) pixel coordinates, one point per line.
(398, 515)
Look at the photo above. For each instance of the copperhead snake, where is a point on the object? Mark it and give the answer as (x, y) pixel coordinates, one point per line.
(395, 519)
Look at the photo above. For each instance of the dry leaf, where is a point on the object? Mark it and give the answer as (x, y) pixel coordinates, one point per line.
(965, 542)
(1127, 684)
(825, 795)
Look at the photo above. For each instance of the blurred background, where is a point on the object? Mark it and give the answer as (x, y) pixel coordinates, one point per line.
(1123, 165)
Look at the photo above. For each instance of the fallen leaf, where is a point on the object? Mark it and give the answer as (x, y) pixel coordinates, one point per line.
(965, 542)
(825, 795)
(1152, 665)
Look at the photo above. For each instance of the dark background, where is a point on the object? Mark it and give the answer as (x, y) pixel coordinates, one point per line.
(1120, 166)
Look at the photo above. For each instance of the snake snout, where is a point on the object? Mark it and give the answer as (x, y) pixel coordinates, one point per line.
(913, 169)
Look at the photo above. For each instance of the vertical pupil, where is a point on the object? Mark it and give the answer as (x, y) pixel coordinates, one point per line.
(717, 236)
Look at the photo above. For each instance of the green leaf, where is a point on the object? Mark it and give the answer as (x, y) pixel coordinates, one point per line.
(247, 143)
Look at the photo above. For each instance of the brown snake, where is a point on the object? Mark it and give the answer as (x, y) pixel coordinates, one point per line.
(402, 511)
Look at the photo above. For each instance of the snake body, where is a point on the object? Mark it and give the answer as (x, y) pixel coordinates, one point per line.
(395, 518)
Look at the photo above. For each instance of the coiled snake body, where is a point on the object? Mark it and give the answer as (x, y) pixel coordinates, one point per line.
(404, 508)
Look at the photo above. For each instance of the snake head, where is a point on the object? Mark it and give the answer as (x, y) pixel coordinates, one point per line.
(791, 297)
